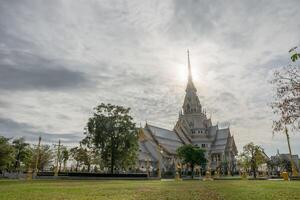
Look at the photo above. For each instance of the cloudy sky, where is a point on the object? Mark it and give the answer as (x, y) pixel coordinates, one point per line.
(60, 58)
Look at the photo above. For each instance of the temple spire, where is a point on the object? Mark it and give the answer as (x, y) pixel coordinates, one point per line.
(189, 66)
(190, 86)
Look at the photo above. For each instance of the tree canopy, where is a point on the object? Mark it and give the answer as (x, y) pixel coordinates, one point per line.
(112, 133)
(287, 101)
(251, 158)
(82, 156)
(45, 157)
(6, 154)
(192, 155)
(22, 152)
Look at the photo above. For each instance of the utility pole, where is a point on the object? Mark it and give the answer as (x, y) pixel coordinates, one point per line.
(37, 157)
(294, 170)
(57, 159)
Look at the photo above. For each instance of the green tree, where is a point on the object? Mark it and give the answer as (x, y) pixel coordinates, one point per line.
(82, 156)
(45, 158)
(6, 154)
(22, 152)
(192, 155)
(286, 164)
(112, 133)
(295, 54)
(251, 158)
(64, 157)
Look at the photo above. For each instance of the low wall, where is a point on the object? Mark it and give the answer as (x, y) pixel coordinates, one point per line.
(13, 175)
(90, 176)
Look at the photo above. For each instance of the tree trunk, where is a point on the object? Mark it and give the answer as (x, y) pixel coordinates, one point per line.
(192, 167)
(64, 167)
(112, 164)
(77, 165)
(294, 171)
(17, 161)
(59, 168)
(254, 170)
(253, 167)
(112, 156)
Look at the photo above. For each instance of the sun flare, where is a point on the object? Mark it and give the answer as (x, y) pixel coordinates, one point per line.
(182, 74)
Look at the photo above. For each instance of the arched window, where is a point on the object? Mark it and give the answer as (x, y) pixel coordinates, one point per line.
(188, 107)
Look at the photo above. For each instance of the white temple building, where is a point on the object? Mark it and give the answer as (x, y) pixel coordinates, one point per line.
(157, 146)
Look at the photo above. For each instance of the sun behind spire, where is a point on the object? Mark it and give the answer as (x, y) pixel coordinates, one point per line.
(190, 86)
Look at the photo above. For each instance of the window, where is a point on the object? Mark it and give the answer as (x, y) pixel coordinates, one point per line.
(203, 145)
(191, 124)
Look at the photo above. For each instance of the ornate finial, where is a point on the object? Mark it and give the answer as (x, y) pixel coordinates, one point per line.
(189, 65)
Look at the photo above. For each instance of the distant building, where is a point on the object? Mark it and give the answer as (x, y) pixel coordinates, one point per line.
(282, 161)
(157, 146)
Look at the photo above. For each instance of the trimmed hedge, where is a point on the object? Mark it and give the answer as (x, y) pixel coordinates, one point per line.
(295, 178)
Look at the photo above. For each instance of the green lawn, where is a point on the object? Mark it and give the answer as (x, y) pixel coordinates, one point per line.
(155, 190)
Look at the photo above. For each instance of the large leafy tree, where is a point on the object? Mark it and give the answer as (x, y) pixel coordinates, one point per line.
(251, 158)
(45, 157)
(82, 156)
(65, 154)
(192, 155)
(112, 133)
(62, 157)
(6, 154)
(22, 152)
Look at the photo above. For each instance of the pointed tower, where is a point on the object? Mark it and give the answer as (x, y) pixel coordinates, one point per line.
(190, 86)
(193, 119)
(191, 101)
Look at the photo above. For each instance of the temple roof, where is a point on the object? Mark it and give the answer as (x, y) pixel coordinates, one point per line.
(167, 139)
(144, 152)
(221, 140)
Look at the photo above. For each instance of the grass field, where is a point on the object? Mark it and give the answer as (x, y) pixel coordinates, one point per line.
(148, 190)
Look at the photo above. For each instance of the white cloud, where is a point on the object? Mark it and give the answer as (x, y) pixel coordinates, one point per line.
(133, 53)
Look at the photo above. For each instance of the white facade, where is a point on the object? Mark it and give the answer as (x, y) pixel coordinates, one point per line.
(193, 127)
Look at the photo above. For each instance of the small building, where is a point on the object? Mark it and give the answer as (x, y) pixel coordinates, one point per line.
(281, 161)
